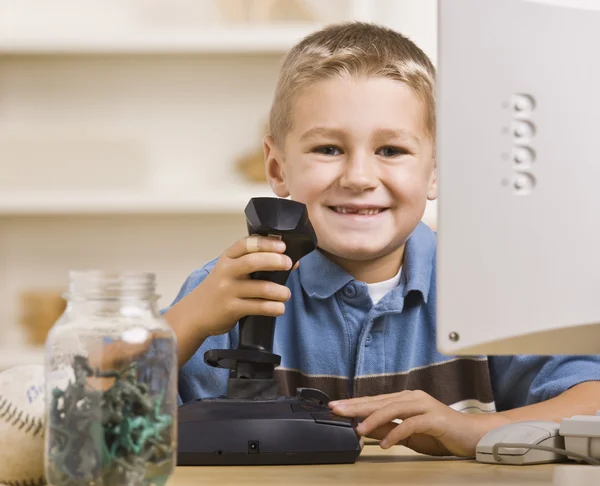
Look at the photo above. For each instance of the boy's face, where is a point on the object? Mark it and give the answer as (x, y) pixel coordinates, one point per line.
(360, 157)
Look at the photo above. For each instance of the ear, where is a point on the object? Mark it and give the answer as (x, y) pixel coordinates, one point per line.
(432, 188)
(274, 167)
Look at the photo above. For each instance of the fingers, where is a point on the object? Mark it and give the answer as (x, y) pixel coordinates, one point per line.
(382, 431)
(115, 356)
(117, 353)
(361, 409)
(260, 246)
(254, 254)
(259, 307)
(261, 261)
(424, 424)
(426, 442)
(262, 289)
(388, 413)
(254, 244)
(367, 407)
(397, 395)
(428, 424)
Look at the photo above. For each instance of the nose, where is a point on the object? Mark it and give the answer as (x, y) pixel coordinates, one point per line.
(359, 173)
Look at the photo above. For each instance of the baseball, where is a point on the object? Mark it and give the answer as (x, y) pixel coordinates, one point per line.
(22, 426)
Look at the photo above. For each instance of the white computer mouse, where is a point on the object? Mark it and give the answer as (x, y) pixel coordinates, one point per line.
(535, 432)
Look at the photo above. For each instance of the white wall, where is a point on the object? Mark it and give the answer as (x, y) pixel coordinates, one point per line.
(84, 133)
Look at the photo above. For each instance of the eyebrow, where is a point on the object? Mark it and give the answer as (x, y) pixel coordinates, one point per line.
(321, 131)
(380, 133)
(387, 133)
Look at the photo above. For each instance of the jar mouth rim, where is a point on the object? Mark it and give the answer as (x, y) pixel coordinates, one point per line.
(109, 274)
(110, 285)
(91, 296)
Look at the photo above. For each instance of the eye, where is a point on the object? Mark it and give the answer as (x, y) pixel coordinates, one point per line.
(392, 151)
(330, 150)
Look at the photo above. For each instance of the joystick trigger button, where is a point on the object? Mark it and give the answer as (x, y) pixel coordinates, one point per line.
(313, 395)
(306, 407)
(332, 419)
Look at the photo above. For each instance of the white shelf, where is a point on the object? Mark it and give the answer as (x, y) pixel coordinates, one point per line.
(230, 40)
(20, 356)
(232, 199)
(430, 216)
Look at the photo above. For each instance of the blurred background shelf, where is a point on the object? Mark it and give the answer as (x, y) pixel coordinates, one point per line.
(18, 356)
(232, 199)
(234, 40)
(215, 202)
(29, 27)
(125, 126)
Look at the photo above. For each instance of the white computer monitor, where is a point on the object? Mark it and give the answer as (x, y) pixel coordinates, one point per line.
(519, 172)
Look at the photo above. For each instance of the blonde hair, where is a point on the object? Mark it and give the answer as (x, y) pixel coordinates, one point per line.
(351, 49)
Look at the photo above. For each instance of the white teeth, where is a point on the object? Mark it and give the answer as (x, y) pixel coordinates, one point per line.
(343, 210)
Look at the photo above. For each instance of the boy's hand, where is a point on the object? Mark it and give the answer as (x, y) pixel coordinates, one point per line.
(228, 293)
(428, 426)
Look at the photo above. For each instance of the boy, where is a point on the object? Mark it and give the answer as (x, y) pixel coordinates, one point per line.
(352, 135)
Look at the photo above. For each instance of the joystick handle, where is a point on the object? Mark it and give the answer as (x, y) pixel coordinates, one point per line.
(287, 220)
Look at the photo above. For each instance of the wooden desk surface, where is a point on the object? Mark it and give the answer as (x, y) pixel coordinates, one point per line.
(397, 466)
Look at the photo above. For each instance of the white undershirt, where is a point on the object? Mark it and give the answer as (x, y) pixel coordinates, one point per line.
(379, 289)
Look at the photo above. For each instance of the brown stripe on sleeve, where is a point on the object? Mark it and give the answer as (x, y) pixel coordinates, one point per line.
(449, 382)
(334, 386)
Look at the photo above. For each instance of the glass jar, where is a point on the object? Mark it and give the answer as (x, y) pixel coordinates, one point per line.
(111, 385)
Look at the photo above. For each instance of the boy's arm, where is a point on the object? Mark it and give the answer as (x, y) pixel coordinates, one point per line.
(214, 298)
(196, 379)
(581, 399)
(430, 427)
(519, 381)
(190, 336)
(525, 387)
(181, 316)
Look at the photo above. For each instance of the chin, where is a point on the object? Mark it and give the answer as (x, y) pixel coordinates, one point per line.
(356, 252)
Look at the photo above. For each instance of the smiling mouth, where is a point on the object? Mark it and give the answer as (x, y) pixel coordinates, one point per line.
(361, 211)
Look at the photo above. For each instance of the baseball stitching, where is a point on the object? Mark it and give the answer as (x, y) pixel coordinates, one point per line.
(26, 482)
(10, 414)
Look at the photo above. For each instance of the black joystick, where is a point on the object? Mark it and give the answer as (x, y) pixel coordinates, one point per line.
(253, 359)
(252, 424)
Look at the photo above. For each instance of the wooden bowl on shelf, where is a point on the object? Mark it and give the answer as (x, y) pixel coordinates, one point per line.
(252, 166)
(39, 311)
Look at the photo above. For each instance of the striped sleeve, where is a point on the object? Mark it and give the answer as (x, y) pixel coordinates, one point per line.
(524, 380)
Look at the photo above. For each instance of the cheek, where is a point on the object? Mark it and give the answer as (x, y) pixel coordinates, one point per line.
(307, 182)
(407, 183)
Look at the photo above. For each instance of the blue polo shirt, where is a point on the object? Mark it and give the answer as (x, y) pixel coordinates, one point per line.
(333, 338)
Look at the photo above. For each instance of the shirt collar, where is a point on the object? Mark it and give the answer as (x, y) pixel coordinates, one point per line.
(321, 278)
(419, 261)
